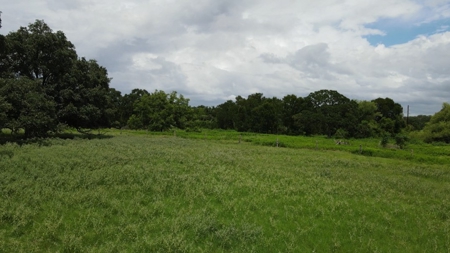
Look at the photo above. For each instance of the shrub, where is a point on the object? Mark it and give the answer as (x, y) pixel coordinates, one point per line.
(384, 140)
(400, 140)
(341, 133)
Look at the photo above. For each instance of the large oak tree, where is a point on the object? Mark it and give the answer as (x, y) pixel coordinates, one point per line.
(41, 68)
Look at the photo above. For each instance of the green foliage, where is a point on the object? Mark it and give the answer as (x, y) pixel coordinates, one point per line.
(202, 117)
(401, 140)
(30, 108)
(85, 100)
(227, 115)
(51, 86)
(389, 115)
(292, 105)
(384, 140)
(332, 111)
(418, 122)
(4, 108)
(438, 129)
(36, 52)
(160, 111)
(341, 133)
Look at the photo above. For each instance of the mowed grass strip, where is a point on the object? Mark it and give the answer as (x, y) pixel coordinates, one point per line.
(168, 194)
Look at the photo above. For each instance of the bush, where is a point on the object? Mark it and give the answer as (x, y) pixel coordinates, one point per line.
(193, 129)
(400, 140)
(341, 133)
(384, 140)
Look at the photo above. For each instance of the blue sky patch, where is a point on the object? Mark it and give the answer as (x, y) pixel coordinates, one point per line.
(398, 32)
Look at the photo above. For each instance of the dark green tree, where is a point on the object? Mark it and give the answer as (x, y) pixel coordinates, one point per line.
(438, 129)
(83, 101)
(390, 117)
(202, 117)
(367, 115)
(330, 111)
(266, 117)
(418, 122)
(292, 105)
(4, 108)
(4, 66)
(128, 103)
(115, 99)
(160, 111)
(77, 88)
(38, 53)
(28, 107)
(226, 114)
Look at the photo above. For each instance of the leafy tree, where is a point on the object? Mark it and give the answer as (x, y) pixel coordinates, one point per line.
(400, 140)
(37, 52)
(226, 114)
(115, 99)
(160, 111)
(366, 116)
(438, 129)
(83, 99)
(309, 122)
(292, 105)
(127, 105)
(4, 67)
(250, 119)
(4, 108)
(418, 122)
(332, 111)
(390, 117)
(202, 117)
(77, 89)
(241, 119)
(266, 116)
(179, 109)
(30, 108)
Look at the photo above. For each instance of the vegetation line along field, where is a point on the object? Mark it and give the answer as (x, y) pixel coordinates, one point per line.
(169, 194)
(45, 87)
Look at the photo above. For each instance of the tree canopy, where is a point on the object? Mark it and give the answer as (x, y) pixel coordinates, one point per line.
(438, 129)
(44, 83)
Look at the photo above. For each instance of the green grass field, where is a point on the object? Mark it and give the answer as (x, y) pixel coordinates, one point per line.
(415, 150)
(140, 192)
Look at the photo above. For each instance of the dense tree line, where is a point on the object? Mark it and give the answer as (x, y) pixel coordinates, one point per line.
(45, 86)
(324, 112)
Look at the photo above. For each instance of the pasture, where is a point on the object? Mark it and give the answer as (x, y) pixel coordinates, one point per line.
(204, 192)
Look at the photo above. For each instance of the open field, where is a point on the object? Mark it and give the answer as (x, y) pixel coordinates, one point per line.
(415, 150)
(154, 193)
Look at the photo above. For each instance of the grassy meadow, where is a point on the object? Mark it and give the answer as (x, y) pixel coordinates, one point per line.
(205, 192)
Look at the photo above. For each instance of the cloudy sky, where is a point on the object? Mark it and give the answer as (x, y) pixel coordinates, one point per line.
(213, 50)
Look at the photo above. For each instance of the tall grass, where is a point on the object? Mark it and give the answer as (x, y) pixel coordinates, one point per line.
(170, 194)
(415, 150)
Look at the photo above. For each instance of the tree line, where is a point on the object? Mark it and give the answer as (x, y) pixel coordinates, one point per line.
(45, 86)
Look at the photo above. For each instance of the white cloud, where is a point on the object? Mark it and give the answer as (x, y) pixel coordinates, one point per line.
(213, 50)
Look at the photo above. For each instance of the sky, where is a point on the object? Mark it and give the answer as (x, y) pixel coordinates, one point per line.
(214, 50)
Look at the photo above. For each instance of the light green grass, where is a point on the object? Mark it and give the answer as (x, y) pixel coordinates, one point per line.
(415, 150)
(165, 194)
